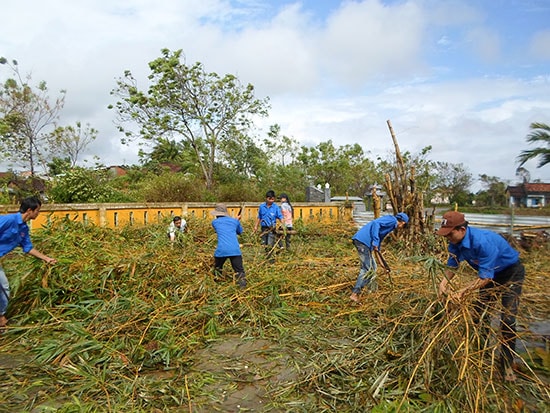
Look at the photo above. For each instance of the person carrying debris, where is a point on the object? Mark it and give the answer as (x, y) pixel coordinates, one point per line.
(14, 232)
(227, 228)
(268, 214)
(499, 272)
(368, 240)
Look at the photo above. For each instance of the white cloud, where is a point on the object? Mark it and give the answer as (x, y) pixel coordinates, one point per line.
(368, 40)
(338, 77)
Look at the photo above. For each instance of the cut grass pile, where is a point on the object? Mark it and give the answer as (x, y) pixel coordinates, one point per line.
(126, 323)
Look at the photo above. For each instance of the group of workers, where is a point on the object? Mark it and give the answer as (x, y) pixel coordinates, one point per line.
(499, 269)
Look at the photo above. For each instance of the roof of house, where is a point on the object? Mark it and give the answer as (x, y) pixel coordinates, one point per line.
(4, 175)
(537, 187)
(528, 189)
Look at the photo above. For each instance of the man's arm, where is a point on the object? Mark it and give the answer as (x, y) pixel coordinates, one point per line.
(444, 285)
(35, 253)
(257, 224)
(475, 285)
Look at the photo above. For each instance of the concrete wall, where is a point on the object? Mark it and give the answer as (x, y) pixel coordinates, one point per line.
(120, 215)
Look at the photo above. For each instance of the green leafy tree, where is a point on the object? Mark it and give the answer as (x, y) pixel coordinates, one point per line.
(27, 116)
(167, 150)
(185, 102)
(70, 141)
(345, 168)
(280, 149)
(493, 193)
(169, 153)
(242, 157)
(540, 134)
(59, 166)
(453, 182)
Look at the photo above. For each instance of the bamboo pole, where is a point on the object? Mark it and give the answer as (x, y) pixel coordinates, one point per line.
(376, 204)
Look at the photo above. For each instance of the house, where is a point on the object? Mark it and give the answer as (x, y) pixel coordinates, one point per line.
(357, 202)
(117, 170)
(529, 195)
(316, 194)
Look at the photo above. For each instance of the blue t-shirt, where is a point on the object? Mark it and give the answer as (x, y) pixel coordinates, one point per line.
(14, 232)
(227, 229)
(486, 251)
(373, 233)
(269, 215)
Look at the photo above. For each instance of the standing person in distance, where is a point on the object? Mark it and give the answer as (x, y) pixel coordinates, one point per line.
(499, 271)
(268, 215)
(368, 240)
(288, 216)
(14, 232)
(227, 228)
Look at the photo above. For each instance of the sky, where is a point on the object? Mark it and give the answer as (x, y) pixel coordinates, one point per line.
(466, 77)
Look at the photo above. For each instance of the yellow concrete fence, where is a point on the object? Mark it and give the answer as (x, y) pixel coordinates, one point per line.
(121, 215)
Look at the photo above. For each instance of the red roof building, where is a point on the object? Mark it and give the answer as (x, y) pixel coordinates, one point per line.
(529, 195)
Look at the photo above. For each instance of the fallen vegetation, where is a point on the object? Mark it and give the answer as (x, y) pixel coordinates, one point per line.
(126, 323)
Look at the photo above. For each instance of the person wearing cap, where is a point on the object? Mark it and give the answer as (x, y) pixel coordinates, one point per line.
(176, 227)
(288, 215)
(268, 215)
(227, 228)
(499, 271)
(368, 239)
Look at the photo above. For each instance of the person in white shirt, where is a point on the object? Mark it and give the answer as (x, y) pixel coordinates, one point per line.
(177, 227)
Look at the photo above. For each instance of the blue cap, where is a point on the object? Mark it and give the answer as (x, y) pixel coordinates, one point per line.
(401, 216)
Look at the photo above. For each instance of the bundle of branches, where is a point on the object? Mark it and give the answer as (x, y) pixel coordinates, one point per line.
(404, 196)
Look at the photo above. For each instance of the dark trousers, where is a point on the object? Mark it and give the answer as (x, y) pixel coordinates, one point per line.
(286, 239)
(508, 285)
(236, 264)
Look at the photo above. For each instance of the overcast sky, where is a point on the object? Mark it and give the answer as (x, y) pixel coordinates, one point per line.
(464, 76)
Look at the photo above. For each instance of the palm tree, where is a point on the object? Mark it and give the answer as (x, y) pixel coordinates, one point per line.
(540, 132)
(166, 150)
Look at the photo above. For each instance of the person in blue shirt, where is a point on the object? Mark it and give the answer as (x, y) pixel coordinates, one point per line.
(268, 215)
(499, 272)
(368, 239)
(14, 232)
(227, 229)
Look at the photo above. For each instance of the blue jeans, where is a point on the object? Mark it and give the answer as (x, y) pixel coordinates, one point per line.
(268, 236)
(4, 291)
(367, 273)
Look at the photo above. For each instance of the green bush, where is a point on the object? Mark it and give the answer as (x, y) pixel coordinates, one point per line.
(81, 185)
(170, 187)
